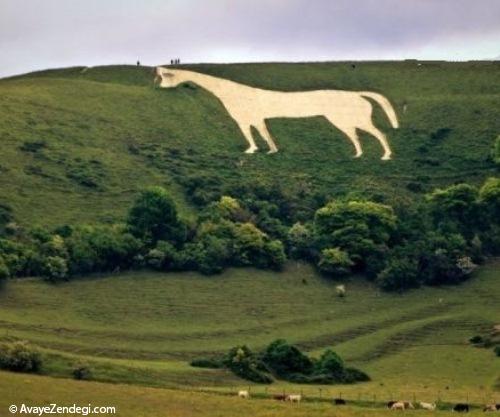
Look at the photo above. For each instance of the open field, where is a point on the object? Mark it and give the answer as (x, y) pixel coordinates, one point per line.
(87, 142)
(143, 328)
(133, 401)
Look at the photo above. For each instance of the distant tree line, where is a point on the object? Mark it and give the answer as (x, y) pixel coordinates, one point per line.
(436, 240)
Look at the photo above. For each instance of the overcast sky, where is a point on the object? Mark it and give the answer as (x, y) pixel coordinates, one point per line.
(39, 34)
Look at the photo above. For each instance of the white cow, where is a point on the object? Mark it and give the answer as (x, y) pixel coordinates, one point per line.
(428, 406)
(244, 394)
(294, 398)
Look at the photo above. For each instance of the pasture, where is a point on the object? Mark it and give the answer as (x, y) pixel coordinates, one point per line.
(142, 328)
(89, 141)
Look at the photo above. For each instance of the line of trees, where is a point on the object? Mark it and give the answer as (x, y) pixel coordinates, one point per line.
(437, 240)
(281, 360)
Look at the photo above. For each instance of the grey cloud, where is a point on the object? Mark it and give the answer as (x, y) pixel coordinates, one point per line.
(38, 33)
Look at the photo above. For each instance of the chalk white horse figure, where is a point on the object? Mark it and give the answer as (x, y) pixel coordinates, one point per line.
(249, 106)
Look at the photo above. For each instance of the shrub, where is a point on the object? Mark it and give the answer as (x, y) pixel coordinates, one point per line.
(475, 340)
(497, 351)
(335, 262)
(245, 364)
(400, 273)
(82, 371)
(55, 269)
(285, 359)
(207, 363)
(153, 217)
(19, 357)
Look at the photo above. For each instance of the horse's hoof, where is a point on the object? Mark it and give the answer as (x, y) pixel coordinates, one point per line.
(250, 150)
(386, 158)
(358, 155)
(270, 151)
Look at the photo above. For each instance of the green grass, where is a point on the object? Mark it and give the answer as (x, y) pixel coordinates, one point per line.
(133, 401)
(107, 134)
(143, 328)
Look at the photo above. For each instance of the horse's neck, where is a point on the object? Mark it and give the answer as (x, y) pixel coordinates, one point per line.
(217, 86)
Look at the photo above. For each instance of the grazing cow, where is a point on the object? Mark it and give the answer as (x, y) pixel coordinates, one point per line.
(408, 405)
(492, 407)
(428, 406)
(294, 398)
(243, 394)
(279, 397)
(339, 401)
(400, 405)
(391, 403)
(461, 408)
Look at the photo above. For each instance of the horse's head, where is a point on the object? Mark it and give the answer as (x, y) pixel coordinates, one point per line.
(167, 78)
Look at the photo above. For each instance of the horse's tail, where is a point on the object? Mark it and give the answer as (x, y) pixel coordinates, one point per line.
(385, 104)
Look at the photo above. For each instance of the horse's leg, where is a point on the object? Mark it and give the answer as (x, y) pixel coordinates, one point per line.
(247, 132)
(382, 139)
(353, 137)
(262, 128)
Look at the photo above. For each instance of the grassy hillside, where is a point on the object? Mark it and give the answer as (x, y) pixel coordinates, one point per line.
(133, 401)
(79, 143)
(143, 328)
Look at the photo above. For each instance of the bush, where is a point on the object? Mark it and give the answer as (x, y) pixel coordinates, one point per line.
(207, 363)
(400, 273)
(285, 359)
(55, 269)
(475, 340)
(82, 372)
(19, 357)
(153, 217)
(245, 364)
(335, 262)
(497, 351)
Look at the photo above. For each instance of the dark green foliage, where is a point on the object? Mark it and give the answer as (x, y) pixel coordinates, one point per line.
(100, 248)
(285, 359)
(33, 146)
(496, 151)
(245, 364)
(356, 227)
(19, 357)
(287, 362)
(399, 274)
(82, 372)
(154, 217)
(5, 217)
(334, 262)
(207, 363)
(4, 270)
(497, 351)
(476, 339)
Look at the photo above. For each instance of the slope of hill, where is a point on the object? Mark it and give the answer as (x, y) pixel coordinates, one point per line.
(144, 328)
(79, 143)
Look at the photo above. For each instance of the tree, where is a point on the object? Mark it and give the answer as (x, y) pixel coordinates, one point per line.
(286, 359)
(335, 262)
(300, 242)
(356, 227)
(154, 217)
(456, 206)
(329, 363)
(56, 268)
(19, 357)
(400, 274)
